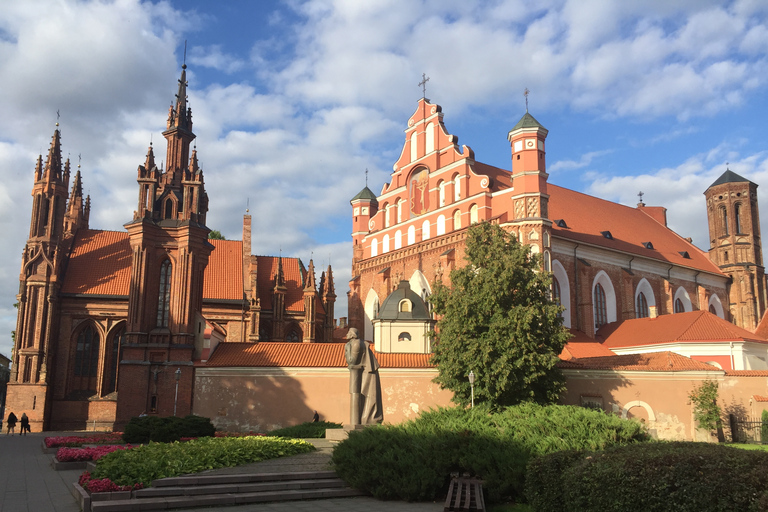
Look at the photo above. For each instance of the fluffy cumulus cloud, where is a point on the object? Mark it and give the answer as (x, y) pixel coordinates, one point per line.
(290, 112)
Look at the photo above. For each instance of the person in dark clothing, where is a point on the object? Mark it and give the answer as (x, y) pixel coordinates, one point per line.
(24, 424)
(315, 417)
(11, 422)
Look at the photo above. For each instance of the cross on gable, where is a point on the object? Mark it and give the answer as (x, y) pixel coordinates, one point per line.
(423, 85)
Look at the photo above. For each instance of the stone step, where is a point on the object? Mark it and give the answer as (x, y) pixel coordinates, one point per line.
(238, 488)
(207, 500)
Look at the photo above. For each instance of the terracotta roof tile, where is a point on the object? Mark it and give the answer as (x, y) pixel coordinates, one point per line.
(690, 327)
(100, 263)
(223, 278)
(747, 373)
(301, 355)
(653, 361)
(587, 216)
(760, 398)
(294, 282)
(580, 350)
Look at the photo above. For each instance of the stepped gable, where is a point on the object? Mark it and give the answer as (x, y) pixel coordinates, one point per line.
(587, 217)
(100, 264)
(223, 280)
(690, 327)
(651, 362)
(302, 355)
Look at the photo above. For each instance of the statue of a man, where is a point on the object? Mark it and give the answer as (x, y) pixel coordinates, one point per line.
(364, 385)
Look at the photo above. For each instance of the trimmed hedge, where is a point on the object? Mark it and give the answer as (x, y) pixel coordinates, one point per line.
(680, 476)
(167, 429)
(413, 461)
(308, 430)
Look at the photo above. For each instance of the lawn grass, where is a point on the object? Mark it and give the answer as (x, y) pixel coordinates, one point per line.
(749, 446)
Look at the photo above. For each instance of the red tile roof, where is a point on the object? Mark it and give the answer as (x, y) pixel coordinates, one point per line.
(100, 263)
(760, 398)
(301, 355)
(653, 362)
(579, 350)
(587, 216)
(690, 327)
(747, 373)
(294, 282)
(223, 278)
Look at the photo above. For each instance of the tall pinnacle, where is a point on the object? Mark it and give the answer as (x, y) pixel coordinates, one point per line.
(53, 162)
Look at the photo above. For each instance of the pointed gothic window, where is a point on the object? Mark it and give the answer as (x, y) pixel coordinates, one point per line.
(641, 306)
(168, 209)
(601, 309)
(724, 215)
(164, 295)
(556, 294)
(679, 307)
(737, 217)
(115, 348)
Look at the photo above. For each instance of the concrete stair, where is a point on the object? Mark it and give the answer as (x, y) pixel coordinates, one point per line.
(202, 490)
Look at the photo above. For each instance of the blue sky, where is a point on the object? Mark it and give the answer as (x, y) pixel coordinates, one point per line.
(292, 101)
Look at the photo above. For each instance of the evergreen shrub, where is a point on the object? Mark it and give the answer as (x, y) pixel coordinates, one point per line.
(167, 429)
(764, 428)
(308, 430)
(680, 476)
(413, 461)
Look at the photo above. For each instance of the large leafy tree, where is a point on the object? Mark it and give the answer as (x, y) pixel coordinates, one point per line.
(498, 320)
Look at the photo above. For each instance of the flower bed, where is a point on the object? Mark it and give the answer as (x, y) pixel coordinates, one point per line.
(87, 454)
(104, 484)
(75, 441)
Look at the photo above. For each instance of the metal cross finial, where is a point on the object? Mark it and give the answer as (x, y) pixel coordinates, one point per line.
(79, 159)
(640, 195)
(525, 93)
(423, 84)
(184, 64)
(366, 177)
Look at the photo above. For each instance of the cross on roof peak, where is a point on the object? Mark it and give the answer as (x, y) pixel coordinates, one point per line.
(423, 85)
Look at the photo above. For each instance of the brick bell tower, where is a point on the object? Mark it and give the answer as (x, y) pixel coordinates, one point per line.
(42, 268)
(735, 247)
(170, 250)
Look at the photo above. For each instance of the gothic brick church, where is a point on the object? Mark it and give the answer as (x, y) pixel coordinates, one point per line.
(112, 323)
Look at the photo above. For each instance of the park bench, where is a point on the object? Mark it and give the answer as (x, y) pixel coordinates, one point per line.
(464, 493)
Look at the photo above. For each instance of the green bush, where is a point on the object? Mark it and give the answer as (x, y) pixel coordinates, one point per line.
(167, 429)
(308, 430)
(413, 461)
(764, 428)
(161, 460)
(676, 476)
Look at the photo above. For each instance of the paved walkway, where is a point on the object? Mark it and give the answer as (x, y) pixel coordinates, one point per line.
(28, 483)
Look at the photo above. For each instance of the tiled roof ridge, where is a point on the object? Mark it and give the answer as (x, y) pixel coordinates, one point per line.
(639, 362)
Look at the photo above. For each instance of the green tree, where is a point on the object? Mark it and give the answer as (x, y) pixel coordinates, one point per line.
(215, 235)
(498, 320)
(705, 408)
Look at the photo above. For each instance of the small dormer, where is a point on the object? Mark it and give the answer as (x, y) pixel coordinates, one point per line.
(403, 322)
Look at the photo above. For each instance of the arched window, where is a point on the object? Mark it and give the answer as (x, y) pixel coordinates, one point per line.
(556, 294)
(679, 308)
(414, 147)
(737, 217)
(601, 310)
(86, 367)
(386, 215)
(441, 193)
(405, 306)
(682, 301)
(164, 295)
(712, 309)
(374, 248)
(425, 230)
(411, 235)
(168, 209)
(400, 210)
(440, 225)
(456, 188)
(641, 306)
(724, 216)
(473, 218)
(385, 244)
(456, 220)
(293, 335)
(430, 138)
(398, 239)
(563, 290)
(115, 348)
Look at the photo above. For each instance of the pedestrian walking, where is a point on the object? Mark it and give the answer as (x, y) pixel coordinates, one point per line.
(11, 422)
(24, 424)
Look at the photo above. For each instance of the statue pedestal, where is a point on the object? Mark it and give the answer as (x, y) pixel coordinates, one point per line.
(340, 434)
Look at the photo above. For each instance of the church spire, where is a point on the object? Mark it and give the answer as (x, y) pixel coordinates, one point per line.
(179, 134)
(77, 209)
(52, 169)
(309, 281)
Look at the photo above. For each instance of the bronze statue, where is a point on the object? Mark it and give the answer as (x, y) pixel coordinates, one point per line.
(364, 385)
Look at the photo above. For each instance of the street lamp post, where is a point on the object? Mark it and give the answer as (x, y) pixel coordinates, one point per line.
(472, 386)
(176, 398)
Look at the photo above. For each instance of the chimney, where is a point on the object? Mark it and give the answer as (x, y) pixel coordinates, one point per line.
(653, 312)
(343, 322)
